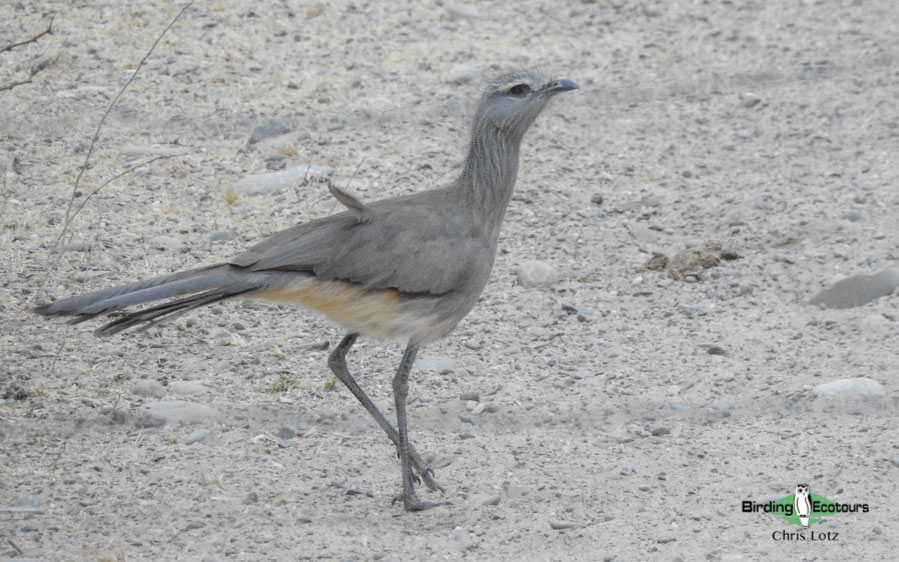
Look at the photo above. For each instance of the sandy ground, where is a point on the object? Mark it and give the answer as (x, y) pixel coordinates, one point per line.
(638, 408)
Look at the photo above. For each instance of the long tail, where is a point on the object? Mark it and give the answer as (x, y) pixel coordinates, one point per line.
(203, 286)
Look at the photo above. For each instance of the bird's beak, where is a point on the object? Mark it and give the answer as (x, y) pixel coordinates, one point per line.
(560, 86)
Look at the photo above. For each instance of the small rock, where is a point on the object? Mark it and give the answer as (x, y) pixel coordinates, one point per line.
(188, 387)
(643, 235)
(196, 525)
(858, 290)
(661, 431)
(29, 501)
(628, 469)
(251, 498)
(466, 396)
(561, 524)
(436, 363)
(514, 491)
(597, 199)
(197, 436)
(286, 433)
(268, 130)
(464, 540)
(750, 100)
(148, 388)
(535, 273)
(861, 388)
(222, 235)
(461, 11)
(463, 73)
(487, 500)
(83, 276)
(895, 460)
(473, 344)
(77, 246)
(166, 243)
(274, 182)
(179, 411)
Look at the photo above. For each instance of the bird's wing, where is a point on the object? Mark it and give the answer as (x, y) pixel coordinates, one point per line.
(413, 244)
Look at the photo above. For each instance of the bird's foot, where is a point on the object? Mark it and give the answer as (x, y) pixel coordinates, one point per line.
(412, 503)
(422, 473)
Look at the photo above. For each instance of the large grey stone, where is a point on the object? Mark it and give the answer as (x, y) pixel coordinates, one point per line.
(851, 389)
(536, 273)
(180, 411)
(858, 290)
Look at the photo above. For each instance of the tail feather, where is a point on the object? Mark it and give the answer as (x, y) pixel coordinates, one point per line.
(115, 298)
(149, 317)
(203, 286)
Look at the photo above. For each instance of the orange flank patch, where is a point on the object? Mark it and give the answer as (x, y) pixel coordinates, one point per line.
(373, 312)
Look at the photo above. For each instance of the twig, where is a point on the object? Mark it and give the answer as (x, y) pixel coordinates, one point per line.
(18, 550)
(48, 31)
(61, 451)
(70, 216)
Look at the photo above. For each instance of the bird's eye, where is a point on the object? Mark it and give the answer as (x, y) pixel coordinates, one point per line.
(519, 89)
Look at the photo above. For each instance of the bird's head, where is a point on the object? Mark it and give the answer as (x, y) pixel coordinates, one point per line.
(512, 101)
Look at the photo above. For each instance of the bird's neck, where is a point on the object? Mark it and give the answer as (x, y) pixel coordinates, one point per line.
(491, 167)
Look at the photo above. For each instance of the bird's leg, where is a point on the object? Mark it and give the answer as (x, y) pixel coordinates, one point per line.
(400, 391)
(337, 363)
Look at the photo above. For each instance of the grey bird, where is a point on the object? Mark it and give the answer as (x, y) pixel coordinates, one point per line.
(405, 268)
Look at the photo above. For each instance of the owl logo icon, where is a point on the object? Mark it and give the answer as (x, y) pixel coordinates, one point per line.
(801, 504)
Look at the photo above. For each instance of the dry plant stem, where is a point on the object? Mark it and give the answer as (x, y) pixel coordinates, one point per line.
(48, 31)
(70, 216)
(34, 69)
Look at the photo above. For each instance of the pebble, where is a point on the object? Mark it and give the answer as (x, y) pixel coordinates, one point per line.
(628, 469)
(482, 501)
(197, 436)
(188, 387)
(464, 540)
(196, 525)
(749, 99)
(514, 491)
(462, 11)
(535, 273)
(285, 433)
(597, 199)
(251, 498)
(473, 396)
(436, 363)
(661, 431)
(180, 411)
(561, 524)
(148, 388)
(268, 130)
(132, 152)
(83, 276)
(29, 501)
(851, 389)
(222, 235)
(473, 344)
(77, 246)
(858, 290)
(463, 73)
(166, 243)
(643, 235)
(274, 182)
